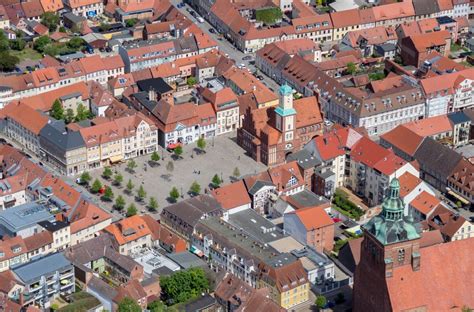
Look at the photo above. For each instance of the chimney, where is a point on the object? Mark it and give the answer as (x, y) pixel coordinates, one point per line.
(152, 95)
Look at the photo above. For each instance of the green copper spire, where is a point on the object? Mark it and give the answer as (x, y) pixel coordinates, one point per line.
(390, 226)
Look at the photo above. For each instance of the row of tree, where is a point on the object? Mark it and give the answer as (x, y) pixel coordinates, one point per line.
(57, 112)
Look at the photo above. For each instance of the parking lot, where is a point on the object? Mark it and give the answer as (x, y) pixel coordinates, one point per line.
(158, 180)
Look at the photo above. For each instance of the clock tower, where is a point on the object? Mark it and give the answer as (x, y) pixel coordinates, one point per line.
(285, 116)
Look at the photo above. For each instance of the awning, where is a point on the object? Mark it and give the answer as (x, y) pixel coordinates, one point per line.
(115, 159)
(462, 199)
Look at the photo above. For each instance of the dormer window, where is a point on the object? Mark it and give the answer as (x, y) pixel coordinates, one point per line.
(292, 182)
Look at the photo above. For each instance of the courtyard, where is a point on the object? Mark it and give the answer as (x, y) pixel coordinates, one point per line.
(220, 157)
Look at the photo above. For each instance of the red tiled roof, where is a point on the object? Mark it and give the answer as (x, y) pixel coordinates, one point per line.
(408, 289)
(313, 218)
(425, 202)
(232, 195)
(408, 182)
(135, 225)
(404, 139)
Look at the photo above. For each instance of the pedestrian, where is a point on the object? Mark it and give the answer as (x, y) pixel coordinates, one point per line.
(199, 171)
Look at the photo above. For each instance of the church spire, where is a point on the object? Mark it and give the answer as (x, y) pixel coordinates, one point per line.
(390, 226)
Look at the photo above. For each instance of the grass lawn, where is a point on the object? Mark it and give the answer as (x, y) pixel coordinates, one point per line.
(27, 54)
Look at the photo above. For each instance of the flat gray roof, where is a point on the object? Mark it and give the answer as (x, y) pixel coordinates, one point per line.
(23, 216)
(33, 270)
(255, 225)
(187, 260)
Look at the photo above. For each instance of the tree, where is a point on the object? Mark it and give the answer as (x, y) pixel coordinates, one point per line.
(82, 112)
(119, 203)
(107, 173)
(57, 111)
(8, 62)
(195, 188)
(69, 115)
(174, 193)
(76, 43)
(50, 20)
(62, 29)
(157, 306)
(351, 68)
(184, 285)
(201, 144)
(118, 179)
(96, 186)
(128, 305)
(155, 157)
(178, 151)
(191, 81)
(130, 186)
(170, 166)
(17, 44)
(108, 194)
(153, 204)
(141, 193)
(216, 181)
(131, 210)
(104, 27)
(236, 172)
(131, 22)
(131, 165)
(41, 43)
(320, 302)
(85, 178)
(4, 42)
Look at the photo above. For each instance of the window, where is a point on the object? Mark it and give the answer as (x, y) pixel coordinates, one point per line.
(401, 255)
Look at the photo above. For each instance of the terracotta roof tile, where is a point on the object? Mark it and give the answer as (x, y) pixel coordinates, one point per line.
(313, 218)
(404, 139)
(232, 195)
(425, 202)
(129, 229)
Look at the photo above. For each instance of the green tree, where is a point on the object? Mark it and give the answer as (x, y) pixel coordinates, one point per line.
(236, 172)
(41, 43)
(130, 186)
(108, 194)
(76, 43)
(96, 186)
(50, 20)
(141, 193)
(69, 117)
(216, 181)
(107, 173)
(131, 210)
(153, 204)
(57, 111)
(52, 49)
(118, 179)
(191, 81)
(320, 302)
(174, 193)
(157, 306)
(184, 285)
(104, 27)
(201, 144)
(131, 22)
(195, 188)
(119, 203)
(178, 151)
(62, 29)
(17, 44)
(8, 62)
(82, 112)
(131, 165)
(4, 42)
(128, 305)
(170, 166)
(351, 68)
(85, 178)
(155, 157)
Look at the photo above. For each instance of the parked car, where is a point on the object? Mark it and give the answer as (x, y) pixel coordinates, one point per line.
(200, 19)
(180, 5)
(246, 58)
(212, 31)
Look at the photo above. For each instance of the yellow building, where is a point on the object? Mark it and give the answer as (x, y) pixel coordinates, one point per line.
(288, 283)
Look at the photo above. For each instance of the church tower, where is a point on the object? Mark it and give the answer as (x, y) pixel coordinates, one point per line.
(285, 115)
(390, 241)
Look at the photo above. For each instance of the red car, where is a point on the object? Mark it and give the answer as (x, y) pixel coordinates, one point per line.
(102, 189)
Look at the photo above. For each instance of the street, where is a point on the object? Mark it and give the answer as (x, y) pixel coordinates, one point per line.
(224, 45)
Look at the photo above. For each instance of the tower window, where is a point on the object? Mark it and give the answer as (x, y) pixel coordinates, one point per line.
(401, 255)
